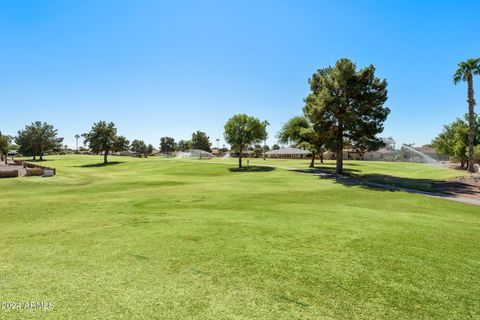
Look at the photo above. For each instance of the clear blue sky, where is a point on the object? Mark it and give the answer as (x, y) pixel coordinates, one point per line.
(169, 68)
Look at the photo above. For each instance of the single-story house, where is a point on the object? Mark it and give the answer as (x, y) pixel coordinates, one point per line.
(288, 153)
(381, 154)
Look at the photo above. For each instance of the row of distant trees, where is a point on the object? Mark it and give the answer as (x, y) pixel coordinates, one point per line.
(39, 138)
(103, 138)
(199, 141)
(345, 107)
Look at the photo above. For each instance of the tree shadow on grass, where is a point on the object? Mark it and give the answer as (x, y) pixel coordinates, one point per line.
(381, 182)
(252, 169)
(333, 169)
(326, 170)
(36, 160)
(97, 165)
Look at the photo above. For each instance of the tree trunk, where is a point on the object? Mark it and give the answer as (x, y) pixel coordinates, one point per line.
(471, 125)
(321, 157)
(34, 157)
(264, 150)
(462, 163)
(240, 158)
(339, 151)
(41, 157)
(105, 155)
(312, 162)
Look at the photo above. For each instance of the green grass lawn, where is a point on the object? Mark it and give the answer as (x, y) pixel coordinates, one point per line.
(187, 239)
(400, 174)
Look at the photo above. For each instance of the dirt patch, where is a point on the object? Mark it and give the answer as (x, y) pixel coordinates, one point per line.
(466, 187)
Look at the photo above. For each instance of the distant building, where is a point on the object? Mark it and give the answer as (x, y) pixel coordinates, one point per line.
(288, 153)
(432, 153)
(350, 154)
(381, 154)
(216, 152)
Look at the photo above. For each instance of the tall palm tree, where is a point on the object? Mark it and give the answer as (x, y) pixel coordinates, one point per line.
(77, 137)
(265, 123)
(465, 72)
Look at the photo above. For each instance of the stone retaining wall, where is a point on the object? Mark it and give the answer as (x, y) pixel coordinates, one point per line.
(9, 174)
(35, 169)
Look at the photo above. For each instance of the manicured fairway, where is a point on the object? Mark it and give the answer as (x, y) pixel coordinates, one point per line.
(401, 174)
(188, 239)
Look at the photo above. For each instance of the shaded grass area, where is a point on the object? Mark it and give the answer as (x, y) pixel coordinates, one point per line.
(252, 169)
(97, 165)
(398, 174)
(166, 238)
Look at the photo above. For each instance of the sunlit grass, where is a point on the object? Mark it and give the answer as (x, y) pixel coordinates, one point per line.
(188, 239)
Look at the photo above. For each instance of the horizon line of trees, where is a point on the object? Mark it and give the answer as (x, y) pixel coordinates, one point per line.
(345, 108)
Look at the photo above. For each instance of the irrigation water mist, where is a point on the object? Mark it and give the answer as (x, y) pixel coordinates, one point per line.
(422, 156)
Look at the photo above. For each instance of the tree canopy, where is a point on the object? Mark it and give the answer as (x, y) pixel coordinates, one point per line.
(201, 141)
(184, 145)
(4, 146)
(453, 140)
(149, 149)
(299, 132)
(102, 138)
(139, 147)
(241, 131)
(121, 144)
(37, 139)
(347, 105)
(167, 145)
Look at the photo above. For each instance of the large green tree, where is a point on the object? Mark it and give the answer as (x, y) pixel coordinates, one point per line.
(300, 132)
(241, 131)
(465, 72)
(102, 138)
(347, 105)
(201, 141)
(167, 145)
(37, 139)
